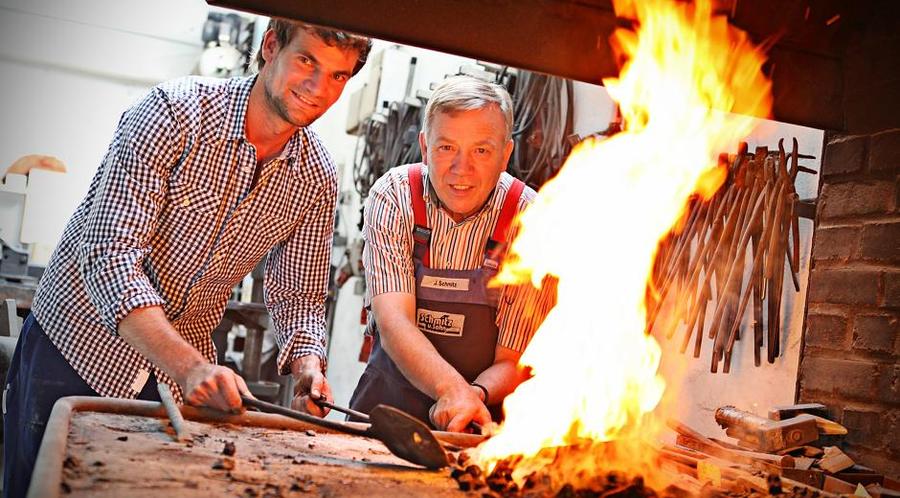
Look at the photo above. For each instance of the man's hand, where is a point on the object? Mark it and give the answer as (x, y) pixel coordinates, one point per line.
(214, 386)
(149, 332)
(310, 384)
(455, 410)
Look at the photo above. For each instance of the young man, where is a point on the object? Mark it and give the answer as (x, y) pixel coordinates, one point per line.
(446, 345)
(202, 179)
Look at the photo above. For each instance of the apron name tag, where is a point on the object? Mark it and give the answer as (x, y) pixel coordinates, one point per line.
(438, 322)
(455, 284)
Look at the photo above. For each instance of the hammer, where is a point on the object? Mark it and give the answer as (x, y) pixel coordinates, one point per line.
(767, 435)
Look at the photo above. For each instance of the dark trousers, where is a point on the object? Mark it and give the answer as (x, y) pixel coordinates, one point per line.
(38, 376)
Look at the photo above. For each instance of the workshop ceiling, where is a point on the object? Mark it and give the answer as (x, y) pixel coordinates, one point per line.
(570, 38)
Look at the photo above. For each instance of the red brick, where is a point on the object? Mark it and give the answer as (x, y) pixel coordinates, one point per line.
(827, 331)
(837, 243)
(856, 198)
(884, 153)
(847, 378)
(880, 242)
(893, 430)
(892, 289)
(844, 286)
(882, 461)
(864, 427)
(874, 333)
(889, 384)
(845, 155)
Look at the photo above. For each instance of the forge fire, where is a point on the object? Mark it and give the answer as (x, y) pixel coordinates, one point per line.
(688, 87)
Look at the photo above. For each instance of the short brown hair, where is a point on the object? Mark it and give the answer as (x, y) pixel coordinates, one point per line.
(284, 32)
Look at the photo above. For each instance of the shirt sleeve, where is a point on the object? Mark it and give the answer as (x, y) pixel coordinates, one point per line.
(522, 307)
(521, 311)
(387, 255)
(123, 216)
(296, 284)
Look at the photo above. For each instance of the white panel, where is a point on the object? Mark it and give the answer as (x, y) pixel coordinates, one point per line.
(593, 108)
(344, 368)
(48, 205)
(697, 392)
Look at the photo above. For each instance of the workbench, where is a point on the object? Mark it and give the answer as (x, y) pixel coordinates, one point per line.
(102, 447)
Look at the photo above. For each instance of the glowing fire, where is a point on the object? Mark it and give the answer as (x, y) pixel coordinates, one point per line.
(596, 227)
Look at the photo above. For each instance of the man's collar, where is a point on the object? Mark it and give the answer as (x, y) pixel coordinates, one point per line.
(235, 127)
(239, 98)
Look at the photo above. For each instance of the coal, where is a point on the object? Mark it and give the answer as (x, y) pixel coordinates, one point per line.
(499, 483)
(774, 483)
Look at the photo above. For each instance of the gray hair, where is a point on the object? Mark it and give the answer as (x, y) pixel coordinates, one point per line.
(465, 93)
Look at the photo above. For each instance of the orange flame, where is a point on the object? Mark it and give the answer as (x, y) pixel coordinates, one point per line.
(596, 226)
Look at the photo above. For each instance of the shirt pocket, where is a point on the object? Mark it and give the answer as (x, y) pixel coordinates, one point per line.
(187, 226)
(194, 198)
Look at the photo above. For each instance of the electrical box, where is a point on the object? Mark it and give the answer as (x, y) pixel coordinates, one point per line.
(391, 75)
(364, 102)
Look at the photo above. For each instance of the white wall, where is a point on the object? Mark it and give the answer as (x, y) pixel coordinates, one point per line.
(69, 69)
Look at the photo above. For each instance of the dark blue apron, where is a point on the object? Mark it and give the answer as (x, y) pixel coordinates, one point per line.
(455, 310)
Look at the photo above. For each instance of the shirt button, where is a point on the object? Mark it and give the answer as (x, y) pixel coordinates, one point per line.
(186, 202)
(246, 169)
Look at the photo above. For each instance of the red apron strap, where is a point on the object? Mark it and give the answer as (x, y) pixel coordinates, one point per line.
(421, 232)
(497, 243)
(417, 192)
(508, 212)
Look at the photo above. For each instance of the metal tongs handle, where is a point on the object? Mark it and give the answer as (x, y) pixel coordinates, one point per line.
(349, 411)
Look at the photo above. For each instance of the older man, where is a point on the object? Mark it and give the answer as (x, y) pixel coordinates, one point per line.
(202, 179)
(446, 345)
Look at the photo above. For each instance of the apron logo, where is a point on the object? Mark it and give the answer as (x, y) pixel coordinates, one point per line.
(456, 284)
(438, 322)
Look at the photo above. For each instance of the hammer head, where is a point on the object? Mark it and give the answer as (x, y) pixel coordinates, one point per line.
(767, 435)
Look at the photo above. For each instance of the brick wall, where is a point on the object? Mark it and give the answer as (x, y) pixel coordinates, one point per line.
(851, 355)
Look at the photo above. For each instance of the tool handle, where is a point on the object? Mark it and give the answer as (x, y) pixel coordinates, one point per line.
(349, 411)
(729, 416)
(172, 411)
(303, 417)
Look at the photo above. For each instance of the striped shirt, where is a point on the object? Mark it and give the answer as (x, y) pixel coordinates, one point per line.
(173, 219)
(387, 256)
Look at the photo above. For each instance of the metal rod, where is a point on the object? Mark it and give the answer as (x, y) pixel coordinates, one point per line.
(349, 411)
(172, 411)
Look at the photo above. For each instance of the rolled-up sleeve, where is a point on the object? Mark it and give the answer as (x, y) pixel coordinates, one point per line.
(296, 284)
(123, 215)
(387, 255)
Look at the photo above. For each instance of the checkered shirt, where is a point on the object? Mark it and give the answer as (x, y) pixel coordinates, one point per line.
(171, 220)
